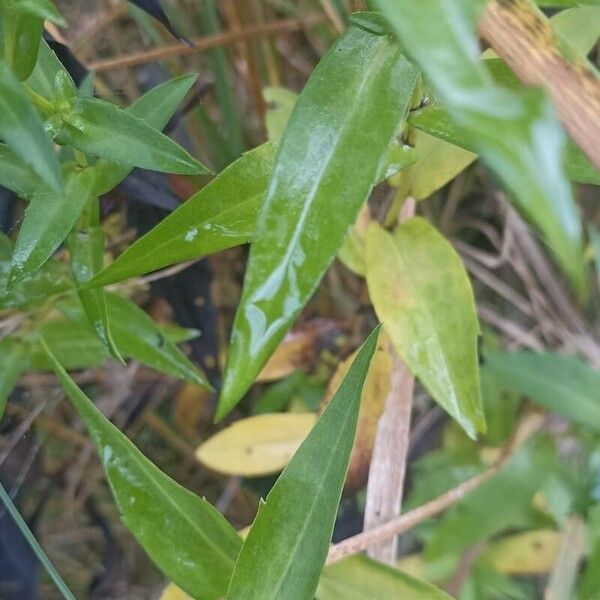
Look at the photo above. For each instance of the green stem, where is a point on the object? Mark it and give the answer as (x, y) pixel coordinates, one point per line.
(35, 546)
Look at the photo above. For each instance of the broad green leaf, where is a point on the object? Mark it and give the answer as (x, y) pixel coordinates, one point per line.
(435, 121)
(361, 578)
(155, 108)
(287, 545)
(44, 76)
(16, 175)
(22, 129)
(13, 363)
(86, 249)
(48, 220)
(187, 538)
(102, 129)
(329, 158)
(564, 384)
(137, 336)
(256, 446)
(515, 131)
(23, 25)
(221, 215)
(423, 297)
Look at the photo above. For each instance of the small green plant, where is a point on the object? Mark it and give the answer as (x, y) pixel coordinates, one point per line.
(403, 78)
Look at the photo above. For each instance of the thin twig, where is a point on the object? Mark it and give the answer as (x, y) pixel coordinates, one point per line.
(359, 543)
(205, 43)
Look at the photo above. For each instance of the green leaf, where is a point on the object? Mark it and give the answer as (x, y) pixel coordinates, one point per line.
(579, 27)
(287, 545)
(13, 363)
(86, 249)
(564, 384)
(280, 104)
(155, 108)
(515, 131)
(221, 215)
(44, 76)
(22, 129)
(360, 578)
(423, 297)
(16, 175)
(102, 129)
(187, 538)
(330, 156)
(48, 220)
(138, 336)
(435, 121)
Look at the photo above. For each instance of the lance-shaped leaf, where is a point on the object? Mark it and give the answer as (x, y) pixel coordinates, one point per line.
(16, 175)
(424, 299)
(566, 385)
(22, 129)
(23, 24)
(48, 220)
(155, 108)
(286, 548)
(45, 75)
(13, 362)
(361, 578)
(515, 131)
(137, 336)
(187, 538)
(86, 248)
(221, 215)
(102, 129)
(154, 9)
(330, 156)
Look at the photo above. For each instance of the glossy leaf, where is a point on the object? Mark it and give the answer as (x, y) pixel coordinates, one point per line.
(422, 295)
(46, 73)
(221, 215)
(285, 550)
(361, 578)
(137, 336)
(102, 129)
(22, 129)
(330, 156)
(516, 132)
(256, 446)
(16, 175)
(564, 384)
(187, 538)
(155, 108)
(48, 220)
(86, 249)
(13, 363)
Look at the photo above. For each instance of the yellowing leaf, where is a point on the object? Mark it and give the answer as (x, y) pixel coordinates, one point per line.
(424, 299)
(530, 553)
(172, 592)
(372, 403)
(260, 445)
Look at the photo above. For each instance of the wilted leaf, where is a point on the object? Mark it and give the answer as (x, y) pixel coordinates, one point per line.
(422, 295)
(187, 538)
(515, 131)
(220, 215)
(564, 384)
(360, 578)
(285, 551)
(22, 129)
(102, 129)
(256, 446)
(326, 167)
(48, 220)
(372, 404)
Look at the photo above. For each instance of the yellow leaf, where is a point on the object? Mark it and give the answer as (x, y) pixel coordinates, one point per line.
(374, 394)
(256, 446)
(172, 592)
